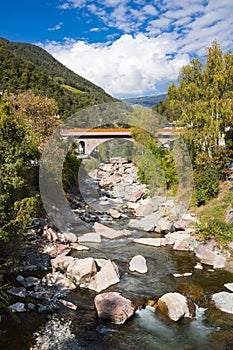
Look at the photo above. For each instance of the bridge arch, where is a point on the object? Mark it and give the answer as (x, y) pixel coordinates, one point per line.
(81, 149)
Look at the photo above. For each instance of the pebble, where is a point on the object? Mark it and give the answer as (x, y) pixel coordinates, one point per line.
(56, 336)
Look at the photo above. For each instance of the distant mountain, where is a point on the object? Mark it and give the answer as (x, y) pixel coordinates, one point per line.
(25, 66)
(146, 101)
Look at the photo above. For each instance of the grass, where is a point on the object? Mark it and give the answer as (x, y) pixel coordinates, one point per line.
(215, 208)
(213, 217)
(71, 88)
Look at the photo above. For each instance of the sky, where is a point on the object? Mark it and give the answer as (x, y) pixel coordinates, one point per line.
(129, 48)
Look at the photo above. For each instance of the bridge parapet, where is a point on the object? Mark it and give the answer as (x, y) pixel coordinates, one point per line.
(89, 139)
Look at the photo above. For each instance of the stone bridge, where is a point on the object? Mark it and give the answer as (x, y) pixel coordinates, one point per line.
(89, 139)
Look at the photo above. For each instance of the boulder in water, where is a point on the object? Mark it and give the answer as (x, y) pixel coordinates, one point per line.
(92, 237)
(49, 234)
(18, 292)
(58, 280)
(61, 262)
(106, 277)
(176, 306)
(115, 214)
(136, 195)
(144, 209)
(154, 242)
(17, 307)
(113, 307)
(138, 264)
(164, 225)
(224, 301)
(229, 286)
(68, 237)
(30, 281)
(82, 270)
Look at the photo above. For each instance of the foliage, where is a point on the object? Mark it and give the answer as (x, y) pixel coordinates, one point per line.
(156, 164)
(215, 213)
(38, 112)
(217, 229)
(16, 154)
(4, 296)
(70, 171)
(206, 184)
(42, 59)
(203, 101)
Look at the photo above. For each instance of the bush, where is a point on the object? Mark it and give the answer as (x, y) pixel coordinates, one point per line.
(217, 229)
(206, 185)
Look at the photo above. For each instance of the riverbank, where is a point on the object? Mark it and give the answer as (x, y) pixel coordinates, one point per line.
(125, 223)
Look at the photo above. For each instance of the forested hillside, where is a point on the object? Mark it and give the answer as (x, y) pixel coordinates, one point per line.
(26, 66)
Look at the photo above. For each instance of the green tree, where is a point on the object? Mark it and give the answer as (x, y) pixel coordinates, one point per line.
(156, 165)
(202, 102)
(18, 201)
(39, 113)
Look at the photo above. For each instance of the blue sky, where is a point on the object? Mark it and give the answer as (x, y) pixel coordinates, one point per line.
(130, 48)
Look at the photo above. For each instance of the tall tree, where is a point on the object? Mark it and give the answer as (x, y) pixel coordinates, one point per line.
(18, 200)
(38, 112)
(203, 102)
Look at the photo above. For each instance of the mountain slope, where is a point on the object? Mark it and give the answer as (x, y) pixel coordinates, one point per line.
(146, 101)
(26, 66)
(46, 62)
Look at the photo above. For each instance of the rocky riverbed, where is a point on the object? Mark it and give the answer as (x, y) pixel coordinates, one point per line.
(138, 255)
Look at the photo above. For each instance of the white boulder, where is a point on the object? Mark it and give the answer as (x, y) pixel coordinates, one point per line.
(138, 264)
(92, 237)
(224, 301)
(176, 306)
(106, 277)
(229, 286)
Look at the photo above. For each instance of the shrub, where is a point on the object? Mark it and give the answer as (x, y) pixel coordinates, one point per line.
(217, 229)
(206, 185)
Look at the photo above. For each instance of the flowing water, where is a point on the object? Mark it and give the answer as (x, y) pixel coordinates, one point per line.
(146, 329)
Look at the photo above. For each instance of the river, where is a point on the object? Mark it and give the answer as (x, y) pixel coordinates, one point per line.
(146, 329)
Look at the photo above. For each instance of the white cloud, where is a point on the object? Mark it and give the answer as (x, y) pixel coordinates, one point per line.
(95, 29)
(155, 39)
(149, 9)
(56, 27)
(129, 66)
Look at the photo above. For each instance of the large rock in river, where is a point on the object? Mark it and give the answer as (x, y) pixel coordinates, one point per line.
(58, 280)
(147, 223)
(109, 233)
(106, 277)
(82, 270)
(176, 306)
(138, 264)
(61, 262)
(91, 237)
(164, 225)
(17, 307)
(113, 307)
(209, 256)
(224, 301)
